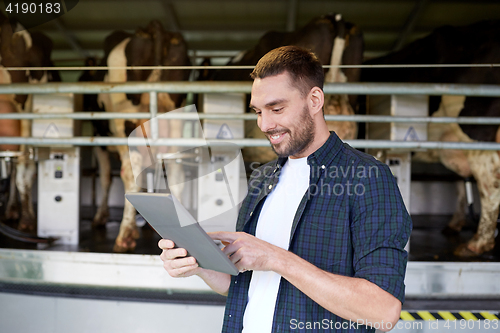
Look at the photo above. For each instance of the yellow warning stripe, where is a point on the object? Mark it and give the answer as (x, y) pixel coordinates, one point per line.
(426, 315)
(467, 315)
(405, 315)
(488, 315)
(446, 315)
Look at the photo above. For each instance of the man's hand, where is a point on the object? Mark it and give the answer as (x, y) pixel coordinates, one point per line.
(248, 252)
(177, 264)
(175, 261)
(348, 297)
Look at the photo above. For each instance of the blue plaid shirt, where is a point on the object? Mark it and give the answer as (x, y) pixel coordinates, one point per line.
(351, 221)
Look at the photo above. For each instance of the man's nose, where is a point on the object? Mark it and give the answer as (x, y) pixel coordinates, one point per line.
(266, 122)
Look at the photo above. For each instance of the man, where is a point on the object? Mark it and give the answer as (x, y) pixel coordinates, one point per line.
(321, 233)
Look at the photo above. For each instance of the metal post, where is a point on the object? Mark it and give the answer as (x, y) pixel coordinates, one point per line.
(291, 20)
(410, 24)
(153, 110)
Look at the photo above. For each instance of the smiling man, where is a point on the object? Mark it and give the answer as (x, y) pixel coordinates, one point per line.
(320, 241)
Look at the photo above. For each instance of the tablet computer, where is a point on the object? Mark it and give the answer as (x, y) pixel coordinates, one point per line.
(171, 220)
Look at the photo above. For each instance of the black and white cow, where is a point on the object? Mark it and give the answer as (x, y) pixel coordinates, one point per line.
(21, 49)
(335, 42)
(150, 46)
(478, 43)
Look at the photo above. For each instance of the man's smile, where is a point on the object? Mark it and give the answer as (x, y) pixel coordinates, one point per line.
(276, 138)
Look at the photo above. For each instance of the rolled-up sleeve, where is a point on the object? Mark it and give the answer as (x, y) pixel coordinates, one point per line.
(380, 229)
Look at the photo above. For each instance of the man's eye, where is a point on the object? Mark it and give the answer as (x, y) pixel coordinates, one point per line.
(277, 110)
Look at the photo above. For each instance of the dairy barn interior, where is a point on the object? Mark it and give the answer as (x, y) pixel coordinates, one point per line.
(69, 265)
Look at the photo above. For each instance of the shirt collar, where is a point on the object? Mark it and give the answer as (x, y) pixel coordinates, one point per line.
(325, 154)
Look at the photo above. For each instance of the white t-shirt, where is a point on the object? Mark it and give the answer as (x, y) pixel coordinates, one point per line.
(274, 226)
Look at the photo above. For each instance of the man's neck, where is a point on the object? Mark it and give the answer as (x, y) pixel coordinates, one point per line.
(319, 140)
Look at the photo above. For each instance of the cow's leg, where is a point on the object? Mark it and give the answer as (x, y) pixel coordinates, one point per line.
(486, 169)
(12, 209)
(24, 181)
(102, 214)
(459, 217)
(9, 127)
(176, 171)
(459, 162)
(128, 229)
(339, 104)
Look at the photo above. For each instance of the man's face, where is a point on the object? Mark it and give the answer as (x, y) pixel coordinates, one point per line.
(283, 114)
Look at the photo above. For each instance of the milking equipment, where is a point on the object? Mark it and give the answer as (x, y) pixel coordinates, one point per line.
(6, 181)
(220, 190)
(58, 211)
(208, 179)
(7, 165)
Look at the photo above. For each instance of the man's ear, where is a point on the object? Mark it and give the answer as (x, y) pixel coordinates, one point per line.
(316, 99)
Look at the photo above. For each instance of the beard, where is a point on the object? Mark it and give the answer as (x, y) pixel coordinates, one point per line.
(299, 140)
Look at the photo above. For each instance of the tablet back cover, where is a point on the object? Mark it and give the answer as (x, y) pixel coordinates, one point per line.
(172, 221)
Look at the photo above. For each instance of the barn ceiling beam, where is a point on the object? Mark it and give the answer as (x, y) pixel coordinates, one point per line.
(171, 15)
(291, 20)
(410, 24)
(70, 38)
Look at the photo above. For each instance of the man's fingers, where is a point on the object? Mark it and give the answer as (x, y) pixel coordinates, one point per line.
(230, 249)
(173, 253)
(175, 261)
(234, 252)
(224, 236)
(184, 271)
(235, 258)
(184, 262)
(166, 244)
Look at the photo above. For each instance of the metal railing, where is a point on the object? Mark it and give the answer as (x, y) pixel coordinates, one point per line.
(153, 88)
(245, 87)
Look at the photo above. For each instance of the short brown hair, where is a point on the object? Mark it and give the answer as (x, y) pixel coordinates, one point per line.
(303, 66)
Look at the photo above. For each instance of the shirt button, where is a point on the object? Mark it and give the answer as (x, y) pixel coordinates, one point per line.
(235, 282)
(251, 213)
(229, 316)
(323, 167)
(270, 186)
